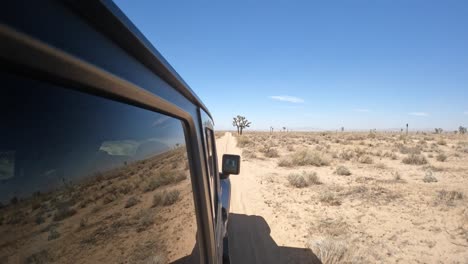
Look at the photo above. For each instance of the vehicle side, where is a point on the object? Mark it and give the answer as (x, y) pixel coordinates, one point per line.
(91, 48)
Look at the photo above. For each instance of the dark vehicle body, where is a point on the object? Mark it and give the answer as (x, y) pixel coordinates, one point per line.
(90, 49)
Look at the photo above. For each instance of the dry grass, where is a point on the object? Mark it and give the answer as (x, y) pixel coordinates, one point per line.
(243, 141)
(415, 159)
(304, 157)
(365, 160)
(270, 152)
(441, 157)
(330, 198)
(329, 250)
(166, 198)
(132, 201)
(166, 178)
(342, 170)
(303, 180)
(248, 154)
(64, 212)
(448, 198)
(383, 206)
(429, 177)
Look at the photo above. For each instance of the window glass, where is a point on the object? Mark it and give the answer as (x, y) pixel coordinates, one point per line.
(89, 180)
(211, 167)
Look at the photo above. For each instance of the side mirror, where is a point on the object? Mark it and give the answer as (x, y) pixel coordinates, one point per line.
(231, 165)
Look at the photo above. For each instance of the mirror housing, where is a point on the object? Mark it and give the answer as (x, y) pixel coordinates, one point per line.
(231, 165)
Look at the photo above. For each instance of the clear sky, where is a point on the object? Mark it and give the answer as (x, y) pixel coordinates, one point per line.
(317, 64)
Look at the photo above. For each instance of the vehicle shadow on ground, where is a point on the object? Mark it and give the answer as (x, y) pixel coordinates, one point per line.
(250, 242)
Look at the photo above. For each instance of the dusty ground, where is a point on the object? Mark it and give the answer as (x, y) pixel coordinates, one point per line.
(404, 200)
(300, 197)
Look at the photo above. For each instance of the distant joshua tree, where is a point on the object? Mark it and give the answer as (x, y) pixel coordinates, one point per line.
(438, 130)
(462, 130)
(406, 129)
(240, 122)
(271, 129)
(342, 129)
(284, 129)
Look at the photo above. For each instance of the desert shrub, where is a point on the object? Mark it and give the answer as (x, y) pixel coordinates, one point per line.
(441, 157)
(359, 151)
(40, 257)
(63, 212)
(429, 177)
(146, 220)
(304, 157)
(330, 198)
(132, 201)
(415, 159)
(39, 219)
(243, 141)
(442, 142)
(166, 178)
(409, 150)
(346, 155)
(365, 159)
(303, 180)
(109, 198)
(342, 170)
(125, 188)
(248, 154)
(166, 198)
(83, 222)
(329, 250)
(270, 152)
(390, 155)
(381, 166)
(290, 148)
(448, 197)
(171, 197)
(53, 234)
(397, 176)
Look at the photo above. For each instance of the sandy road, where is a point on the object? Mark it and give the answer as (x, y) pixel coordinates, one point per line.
(251, 221)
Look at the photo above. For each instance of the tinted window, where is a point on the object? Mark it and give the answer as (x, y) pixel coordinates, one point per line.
(211, 167)
(89, 180)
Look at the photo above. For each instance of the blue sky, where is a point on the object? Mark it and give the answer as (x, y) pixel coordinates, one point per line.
(317, 64)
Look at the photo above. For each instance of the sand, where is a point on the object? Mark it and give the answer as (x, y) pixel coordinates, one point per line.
(384, 212)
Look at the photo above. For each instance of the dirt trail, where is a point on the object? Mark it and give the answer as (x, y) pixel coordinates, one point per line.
(255, 235)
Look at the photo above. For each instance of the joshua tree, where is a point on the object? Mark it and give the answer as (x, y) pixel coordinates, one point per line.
(240, 122)
(406, 129)
(284, 129)
(438, 130)
(462, 130)
(342, 129)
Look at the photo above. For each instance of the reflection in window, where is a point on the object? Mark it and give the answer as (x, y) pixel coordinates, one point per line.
(89, 180)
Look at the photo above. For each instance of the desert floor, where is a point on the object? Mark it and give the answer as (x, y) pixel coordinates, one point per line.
(348, 197)
(142, 212)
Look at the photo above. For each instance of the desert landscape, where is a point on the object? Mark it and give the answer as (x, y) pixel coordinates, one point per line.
(301, 197)
(141, 212)
(351, 197)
